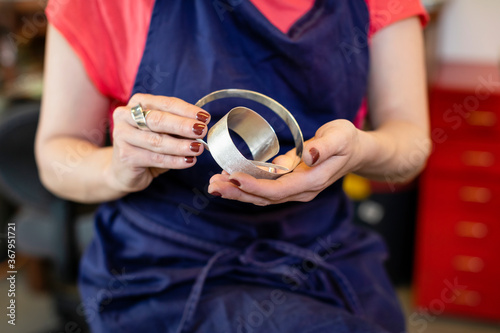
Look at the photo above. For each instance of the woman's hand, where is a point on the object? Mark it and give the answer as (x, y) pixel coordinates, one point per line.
(332, 153)
(396, 149)
(170, 143)
(71, 156)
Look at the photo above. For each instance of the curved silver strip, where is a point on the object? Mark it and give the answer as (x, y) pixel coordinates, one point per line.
(255, 131)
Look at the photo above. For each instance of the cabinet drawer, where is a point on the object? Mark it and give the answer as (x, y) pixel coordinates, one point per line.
(441, 292)
(463, 195)
(458, 226)
(466, 158)
(448, 240)
(461, 114)
(446, 218)
(474, 267)
(452, 281)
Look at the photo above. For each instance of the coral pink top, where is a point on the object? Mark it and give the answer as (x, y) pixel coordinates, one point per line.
(111, 47)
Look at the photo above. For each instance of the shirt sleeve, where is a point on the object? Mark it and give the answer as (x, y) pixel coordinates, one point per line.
(386, 12)
(108, 37)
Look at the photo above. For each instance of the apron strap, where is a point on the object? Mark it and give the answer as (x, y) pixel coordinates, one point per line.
(195, 294)
(249, 257)
(277, 266)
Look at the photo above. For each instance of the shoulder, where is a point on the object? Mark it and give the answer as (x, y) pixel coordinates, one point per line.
(386, 12)
(107, 35)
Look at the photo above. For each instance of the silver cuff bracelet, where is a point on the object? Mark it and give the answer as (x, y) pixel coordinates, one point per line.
(259, 136)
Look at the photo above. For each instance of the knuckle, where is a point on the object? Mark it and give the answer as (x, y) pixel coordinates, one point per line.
(157, 159)
(185, 126)
(155, 140)
(136, 98)
(154, 119)
(117, 133)
(169, 103)
(124, 155)
(118, 112)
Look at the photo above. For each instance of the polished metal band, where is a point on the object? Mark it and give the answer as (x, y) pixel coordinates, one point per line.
(255, 131)
(139, 117)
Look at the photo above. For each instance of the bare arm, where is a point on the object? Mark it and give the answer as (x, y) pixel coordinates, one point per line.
(400, 144)
(71, 160)
(397, 148)
(69, 164)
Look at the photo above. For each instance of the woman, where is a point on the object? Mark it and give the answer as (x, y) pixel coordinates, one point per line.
(182, 247)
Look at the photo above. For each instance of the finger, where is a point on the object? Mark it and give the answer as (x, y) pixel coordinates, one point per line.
(142, 158)
(331, 139)
(274, 190)
(171, 105)
(284, 161)
(223, 177)
(164, 122)
(229, 191)
(161, 143)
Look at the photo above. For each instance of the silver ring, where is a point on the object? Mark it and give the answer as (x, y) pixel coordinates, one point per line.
(139, 116)
(255, 131)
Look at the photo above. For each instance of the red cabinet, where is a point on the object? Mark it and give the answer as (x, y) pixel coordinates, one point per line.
(457, 269)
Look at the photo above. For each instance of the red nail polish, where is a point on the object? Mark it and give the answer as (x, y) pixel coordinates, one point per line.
(189, 159)
(235, 182)
(198, 128)
(195, 147)
(216, 194)
(203, 116)
(314, 154)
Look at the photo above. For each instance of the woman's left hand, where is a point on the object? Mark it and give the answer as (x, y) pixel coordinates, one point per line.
(396, 149)
(331, 154)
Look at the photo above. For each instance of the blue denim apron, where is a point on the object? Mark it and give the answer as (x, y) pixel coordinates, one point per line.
(173, 258)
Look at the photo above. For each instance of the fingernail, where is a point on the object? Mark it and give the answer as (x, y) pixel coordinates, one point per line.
(198, 128)
(235, 182)
(195, 147)
(314, 154)
(216, 194)
(202, 116)
(189, 159)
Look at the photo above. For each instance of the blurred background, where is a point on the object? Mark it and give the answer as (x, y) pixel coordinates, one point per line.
(443, 229)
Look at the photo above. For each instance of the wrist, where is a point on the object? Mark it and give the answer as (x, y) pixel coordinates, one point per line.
(115, 187)
(368, 151)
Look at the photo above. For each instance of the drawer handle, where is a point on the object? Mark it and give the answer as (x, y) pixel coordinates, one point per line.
(475, 194)
(478, 158)
(468, 264)
(471, 229)
(467, 297)
(482, 118)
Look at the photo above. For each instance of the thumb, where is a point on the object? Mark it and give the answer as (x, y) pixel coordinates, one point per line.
(155, 172)
(331, 139)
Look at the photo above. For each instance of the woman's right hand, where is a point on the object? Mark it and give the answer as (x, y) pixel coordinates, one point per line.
(72, 160)
(170, 143)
